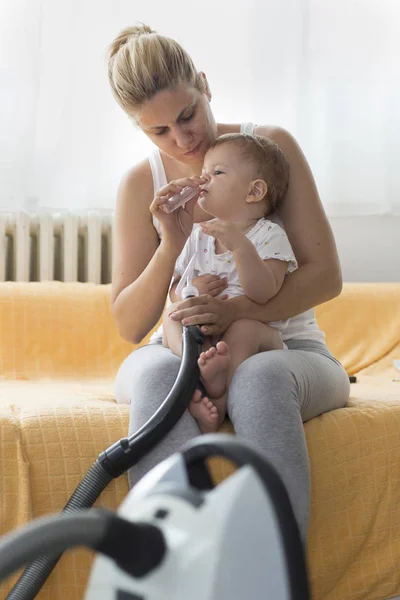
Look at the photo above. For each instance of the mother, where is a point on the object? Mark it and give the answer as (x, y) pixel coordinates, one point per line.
(156, 84)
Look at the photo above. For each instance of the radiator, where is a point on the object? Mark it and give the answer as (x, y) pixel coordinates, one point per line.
(50, 246)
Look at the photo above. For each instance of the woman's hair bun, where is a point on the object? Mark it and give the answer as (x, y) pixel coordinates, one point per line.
(126, 34)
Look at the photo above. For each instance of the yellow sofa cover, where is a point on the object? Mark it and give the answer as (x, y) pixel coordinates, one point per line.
(59, 352)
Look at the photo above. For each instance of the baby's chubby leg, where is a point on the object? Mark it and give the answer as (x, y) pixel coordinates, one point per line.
(246, 338)
(242, 339)
(172, 331)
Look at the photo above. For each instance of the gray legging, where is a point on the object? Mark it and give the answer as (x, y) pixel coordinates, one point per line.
(270, 396)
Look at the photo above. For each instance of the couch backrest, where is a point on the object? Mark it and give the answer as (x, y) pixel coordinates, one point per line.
(65, 330)
(55, 329)
(362, 326)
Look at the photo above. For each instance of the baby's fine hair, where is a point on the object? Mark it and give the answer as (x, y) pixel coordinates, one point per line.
(269, 162)
(141, 63)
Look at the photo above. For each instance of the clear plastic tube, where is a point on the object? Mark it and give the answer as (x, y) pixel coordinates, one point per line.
(185, 287)
(189, 291)
(180, 199)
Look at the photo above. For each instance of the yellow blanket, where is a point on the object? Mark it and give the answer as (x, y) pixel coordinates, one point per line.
(59, 352)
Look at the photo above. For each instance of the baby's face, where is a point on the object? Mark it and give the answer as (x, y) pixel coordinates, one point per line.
(228, 180)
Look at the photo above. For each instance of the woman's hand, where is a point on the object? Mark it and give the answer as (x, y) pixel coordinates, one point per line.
(215, 315)
(213, 285)
(176, 226)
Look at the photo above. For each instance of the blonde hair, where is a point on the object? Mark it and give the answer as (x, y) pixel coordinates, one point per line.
(270, 164)
(142, 62)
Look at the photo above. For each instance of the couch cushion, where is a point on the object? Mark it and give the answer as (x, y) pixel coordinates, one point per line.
(25, 394)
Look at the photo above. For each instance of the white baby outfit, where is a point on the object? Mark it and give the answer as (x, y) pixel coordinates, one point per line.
(269, 240)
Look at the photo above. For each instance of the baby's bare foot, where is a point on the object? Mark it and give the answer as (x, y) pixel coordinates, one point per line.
(214, 369)
(205, 413)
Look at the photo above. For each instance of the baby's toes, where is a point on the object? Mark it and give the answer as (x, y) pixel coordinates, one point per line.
(211, 352)
(213, 414)
(202, 359)
(207, 402)
(222, 347)
(197, 397)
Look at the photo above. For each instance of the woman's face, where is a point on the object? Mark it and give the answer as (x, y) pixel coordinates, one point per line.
(180, 122)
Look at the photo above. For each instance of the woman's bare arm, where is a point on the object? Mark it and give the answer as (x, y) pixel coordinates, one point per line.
(318, 277)
(142, 267)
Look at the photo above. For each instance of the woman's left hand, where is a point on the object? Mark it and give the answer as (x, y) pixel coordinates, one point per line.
(215, 315)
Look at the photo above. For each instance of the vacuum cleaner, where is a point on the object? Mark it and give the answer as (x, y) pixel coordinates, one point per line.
(176, 536)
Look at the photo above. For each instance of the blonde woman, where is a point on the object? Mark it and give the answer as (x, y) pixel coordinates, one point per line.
(272, 393)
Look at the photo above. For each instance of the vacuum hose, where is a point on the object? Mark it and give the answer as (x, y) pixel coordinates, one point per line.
(121, 456)
(137, 548)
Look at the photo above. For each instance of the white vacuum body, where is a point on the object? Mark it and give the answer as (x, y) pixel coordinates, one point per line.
(225, 543)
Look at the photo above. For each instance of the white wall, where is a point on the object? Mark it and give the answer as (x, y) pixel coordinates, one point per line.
(369, 247)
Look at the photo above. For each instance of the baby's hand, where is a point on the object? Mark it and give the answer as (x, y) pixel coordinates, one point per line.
(227, 233)
(210, 284)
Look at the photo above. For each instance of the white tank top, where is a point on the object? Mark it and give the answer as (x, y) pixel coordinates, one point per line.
(302, 327)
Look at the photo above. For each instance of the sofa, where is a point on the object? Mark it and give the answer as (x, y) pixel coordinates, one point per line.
(59, 352)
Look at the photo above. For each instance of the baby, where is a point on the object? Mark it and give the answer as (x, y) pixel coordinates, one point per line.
(246, 179)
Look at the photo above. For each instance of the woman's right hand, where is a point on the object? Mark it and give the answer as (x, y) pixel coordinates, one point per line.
(176, 226)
